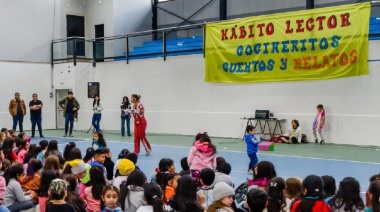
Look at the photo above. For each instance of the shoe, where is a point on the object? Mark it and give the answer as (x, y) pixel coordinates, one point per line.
(129, 135)
(322, 142)
(41, 136)
(122, 135)
(250, 171)
(32, 136)
(148, 152)
(65, 135)
(71, 135)
(316, 141)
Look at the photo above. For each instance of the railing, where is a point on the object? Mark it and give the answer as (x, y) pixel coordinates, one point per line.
(121, 47)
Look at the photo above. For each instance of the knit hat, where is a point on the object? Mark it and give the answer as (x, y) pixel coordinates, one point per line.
(125, 167)
(222, 190)
(57, 186)
(77, 166)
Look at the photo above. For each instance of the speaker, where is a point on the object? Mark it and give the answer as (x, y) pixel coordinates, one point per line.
(93, 89)
(262, 114)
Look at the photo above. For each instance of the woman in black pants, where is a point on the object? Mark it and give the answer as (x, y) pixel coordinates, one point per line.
(125, 107)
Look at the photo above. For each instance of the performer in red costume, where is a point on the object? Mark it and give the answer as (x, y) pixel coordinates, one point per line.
(140, 125)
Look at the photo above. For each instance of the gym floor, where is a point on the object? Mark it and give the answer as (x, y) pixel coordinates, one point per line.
(290, 160)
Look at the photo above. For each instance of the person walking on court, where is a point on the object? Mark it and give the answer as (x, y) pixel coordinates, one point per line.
(35, 107)
(70, 108)
(18, 110)
(140, 125)
(319, 123)
(125, 116)
(97, 116)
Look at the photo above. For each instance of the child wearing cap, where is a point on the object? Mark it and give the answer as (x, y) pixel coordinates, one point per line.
(57, 195)
(223, 197)
(124, 167)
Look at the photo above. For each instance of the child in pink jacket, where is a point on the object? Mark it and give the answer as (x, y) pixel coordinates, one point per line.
(202, 155)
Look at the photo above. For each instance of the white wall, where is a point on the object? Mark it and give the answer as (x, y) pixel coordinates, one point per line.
(100, 12)
(178, 101)
(27, 29)
(26, 78)
(131, 16)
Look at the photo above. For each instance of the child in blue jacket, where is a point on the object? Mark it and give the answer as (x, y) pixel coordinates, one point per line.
(252, 147)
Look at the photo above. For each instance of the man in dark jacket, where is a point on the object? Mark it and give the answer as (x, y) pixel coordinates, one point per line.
(70, 108)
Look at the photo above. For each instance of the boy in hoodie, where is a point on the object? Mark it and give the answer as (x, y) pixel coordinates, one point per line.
(100, 157)
(252, 147)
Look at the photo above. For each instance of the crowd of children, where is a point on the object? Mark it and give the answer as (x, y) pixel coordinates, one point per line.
(40, 175)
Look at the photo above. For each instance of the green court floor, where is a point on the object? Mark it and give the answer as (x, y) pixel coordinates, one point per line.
(311, 150)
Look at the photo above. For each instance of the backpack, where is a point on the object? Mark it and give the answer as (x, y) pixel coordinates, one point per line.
(241, 197)
(304, 139)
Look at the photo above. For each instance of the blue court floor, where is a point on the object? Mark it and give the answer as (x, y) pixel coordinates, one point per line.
(286, 166)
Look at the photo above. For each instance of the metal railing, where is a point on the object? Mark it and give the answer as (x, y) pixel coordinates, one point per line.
(74, 49)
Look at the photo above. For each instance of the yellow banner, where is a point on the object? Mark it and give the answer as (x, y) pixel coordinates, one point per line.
(304, 45)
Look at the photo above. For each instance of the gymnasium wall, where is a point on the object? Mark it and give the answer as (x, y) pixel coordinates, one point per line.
(178, 101)
(236, 9)
(31, 42)
(26, 78)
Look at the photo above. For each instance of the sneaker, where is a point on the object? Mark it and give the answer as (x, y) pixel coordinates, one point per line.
(42, 136)
(322, 142)
(71, 135)
(316, 141)
(250, 171)
(148, 152)
(65, 135)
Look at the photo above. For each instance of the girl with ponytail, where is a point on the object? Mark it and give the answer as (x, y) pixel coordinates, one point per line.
(153, 196)
(140, 125)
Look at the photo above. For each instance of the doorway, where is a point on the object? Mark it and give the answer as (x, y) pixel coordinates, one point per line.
(75, 27)
(99, 33)
(60, 94)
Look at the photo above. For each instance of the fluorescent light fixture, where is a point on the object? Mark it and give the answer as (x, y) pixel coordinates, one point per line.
(161, 1)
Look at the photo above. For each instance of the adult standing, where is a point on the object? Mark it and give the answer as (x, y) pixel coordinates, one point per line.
(35, 107)
(70, 108)
(97, 116)
(18, 110)
(140, 125)
(125, 116)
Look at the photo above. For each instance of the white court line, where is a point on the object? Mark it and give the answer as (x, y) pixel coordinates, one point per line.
(290, 156)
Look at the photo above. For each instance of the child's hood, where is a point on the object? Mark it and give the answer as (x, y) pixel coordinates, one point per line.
(204, 147)
(247, 136)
